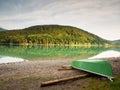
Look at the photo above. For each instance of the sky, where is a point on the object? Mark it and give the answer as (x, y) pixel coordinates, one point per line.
(100, 17)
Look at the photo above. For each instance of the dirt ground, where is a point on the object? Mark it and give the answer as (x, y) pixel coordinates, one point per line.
(28, 75)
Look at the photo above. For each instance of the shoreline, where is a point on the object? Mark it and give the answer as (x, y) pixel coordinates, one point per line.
(28, 75)
(62, 45)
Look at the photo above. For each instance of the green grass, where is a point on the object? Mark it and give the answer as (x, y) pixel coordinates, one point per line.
(98, 84)
(116, 84)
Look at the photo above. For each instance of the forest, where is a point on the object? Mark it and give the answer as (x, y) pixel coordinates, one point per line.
(50, 35)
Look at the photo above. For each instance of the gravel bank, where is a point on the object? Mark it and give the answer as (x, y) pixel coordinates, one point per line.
(28, 75)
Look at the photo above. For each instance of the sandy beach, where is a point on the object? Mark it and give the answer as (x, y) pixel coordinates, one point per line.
(28, 75)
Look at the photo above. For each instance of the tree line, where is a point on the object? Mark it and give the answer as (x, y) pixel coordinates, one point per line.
(50, 34)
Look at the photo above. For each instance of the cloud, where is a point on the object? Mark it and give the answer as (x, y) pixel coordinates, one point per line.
(91, 15)
(51, 8)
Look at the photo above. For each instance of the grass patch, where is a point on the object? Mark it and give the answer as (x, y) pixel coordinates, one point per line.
(116, 84)
(31, 78)
(30, 82)
(98, 84)
(1, 82)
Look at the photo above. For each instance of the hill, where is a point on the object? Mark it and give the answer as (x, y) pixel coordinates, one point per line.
(2, 29)
(116, 41)
(51, 34)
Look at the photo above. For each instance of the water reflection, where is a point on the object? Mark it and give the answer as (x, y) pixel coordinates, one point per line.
(51, 52)
(107, 54)
(7, 59)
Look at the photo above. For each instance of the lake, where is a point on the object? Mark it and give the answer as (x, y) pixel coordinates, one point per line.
(21, 53)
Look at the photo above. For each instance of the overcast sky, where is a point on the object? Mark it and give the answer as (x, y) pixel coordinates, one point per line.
(101, 17)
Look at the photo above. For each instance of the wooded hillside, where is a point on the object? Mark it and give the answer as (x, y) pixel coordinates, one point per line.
(51, 34)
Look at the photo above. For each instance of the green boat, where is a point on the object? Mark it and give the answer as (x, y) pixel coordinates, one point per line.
(99, 67)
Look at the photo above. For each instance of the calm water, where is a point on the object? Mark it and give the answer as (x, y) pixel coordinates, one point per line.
(22, 53)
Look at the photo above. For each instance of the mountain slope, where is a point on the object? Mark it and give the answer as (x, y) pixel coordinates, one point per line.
(116, 41)
(51, 34)
(2, 29)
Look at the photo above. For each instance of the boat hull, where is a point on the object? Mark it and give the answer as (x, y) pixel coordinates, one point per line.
(99, 67)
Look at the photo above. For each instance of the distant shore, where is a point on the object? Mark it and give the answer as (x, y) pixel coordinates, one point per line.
(28, 75)
(80, 45)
